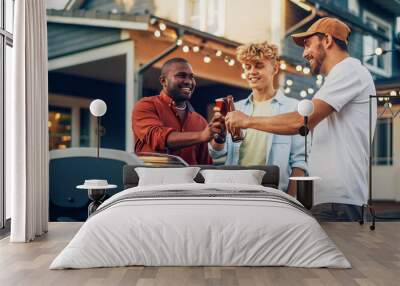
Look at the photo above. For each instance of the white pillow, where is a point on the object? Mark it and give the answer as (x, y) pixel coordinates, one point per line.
(249, 177)
(166, 176)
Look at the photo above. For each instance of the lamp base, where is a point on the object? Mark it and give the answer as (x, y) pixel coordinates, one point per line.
(305, 190)
(305, 193)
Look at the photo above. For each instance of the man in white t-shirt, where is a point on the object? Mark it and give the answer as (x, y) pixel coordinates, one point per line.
(340, 122)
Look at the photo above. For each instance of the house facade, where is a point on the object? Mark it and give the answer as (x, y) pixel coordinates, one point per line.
(113, 50)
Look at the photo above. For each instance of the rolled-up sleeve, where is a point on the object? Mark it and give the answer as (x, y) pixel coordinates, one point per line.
(297, 152)
(148, 127)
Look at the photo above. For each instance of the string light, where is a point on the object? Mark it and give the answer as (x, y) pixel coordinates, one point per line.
(157, 33)
(287, 90)
(207, 59)
(231, 62)
(303, 93)
(310, 90)
(378, 51)
(185, 49)
(393, 93)
(387, 105)
(162, 26)
(380, 98)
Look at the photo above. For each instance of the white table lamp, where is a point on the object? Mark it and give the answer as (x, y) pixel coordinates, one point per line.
(305, 108)
(98, 108)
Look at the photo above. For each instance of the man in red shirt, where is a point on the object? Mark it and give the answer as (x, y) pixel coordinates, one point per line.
(167, 123)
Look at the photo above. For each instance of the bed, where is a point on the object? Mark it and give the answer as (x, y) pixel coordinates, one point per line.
(198, 224)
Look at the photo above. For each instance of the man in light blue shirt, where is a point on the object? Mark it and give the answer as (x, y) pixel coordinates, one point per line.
(260, 62)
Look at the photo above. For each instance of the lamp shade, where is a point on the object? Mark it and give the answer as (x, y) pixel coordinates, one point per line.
(305, 107)
(98, 107)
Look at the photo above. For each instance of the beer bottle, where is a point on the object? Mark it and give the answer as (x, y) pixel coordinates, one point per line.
(236, 133)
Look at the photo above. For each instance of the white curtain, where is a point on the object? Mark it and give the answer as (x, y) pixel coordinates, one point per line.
(26, 124)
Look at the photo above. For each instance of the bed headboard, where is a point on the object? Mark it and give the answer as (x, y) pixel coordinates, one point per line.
(270, 179)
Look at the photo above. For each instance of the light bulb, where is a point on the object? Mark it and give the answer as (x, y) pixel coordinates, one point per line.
(305, 107)
(207, 59)
(157, 33)
(218, 53)
(289, 82)
(98, 107)
(185, 49)
(378, 51)
(303, 93)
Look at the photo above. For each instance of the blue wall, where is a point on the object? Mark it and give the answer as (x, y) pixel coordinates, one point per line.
(112, 94)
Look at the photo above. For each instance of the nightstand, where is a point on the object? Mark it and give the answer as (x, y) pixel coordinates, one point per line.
(96, 192)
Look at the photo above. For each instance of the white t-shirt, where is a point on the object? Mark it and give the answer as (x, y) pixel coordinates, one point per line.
(340, 144)
(253, 150)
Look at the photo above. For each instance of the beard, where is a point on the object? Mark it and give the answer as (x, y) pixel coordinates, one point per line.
(176, 93)
(318, 60)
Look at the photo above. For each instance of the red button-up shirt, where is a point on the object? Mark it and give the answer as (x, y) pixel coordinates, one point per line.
(155, 117)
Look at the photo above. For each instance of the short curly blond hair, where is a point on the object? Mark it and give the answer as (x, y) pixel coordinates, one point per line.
(257, 51)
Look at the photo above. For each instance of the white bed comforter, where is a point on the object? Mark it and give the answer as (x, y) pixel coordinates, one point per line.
(183, 231)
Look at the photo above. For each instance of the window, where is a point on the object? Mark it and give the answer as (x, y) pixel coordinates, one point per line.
(354, 7)
(205, 15)
(383, 142)
(378, 64)
(70, 122)
(6, 42)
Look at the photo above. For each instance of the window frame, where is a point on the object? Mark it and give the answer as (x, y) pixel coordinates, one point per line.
(75, 104)
(387, 72)
(185, 18)
(386, 122)
(6, 39)
(353, 6)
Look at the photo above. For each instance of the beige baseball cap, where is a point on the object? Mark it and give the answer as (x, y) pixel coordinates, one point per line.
(327, 25)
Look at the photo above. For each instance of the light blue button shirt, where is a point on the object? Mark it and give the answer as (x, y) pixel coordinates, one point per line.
(285, 151)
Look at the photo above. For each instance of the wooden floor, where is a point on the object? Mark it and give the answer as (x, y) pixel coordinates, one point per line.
(374, 255)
